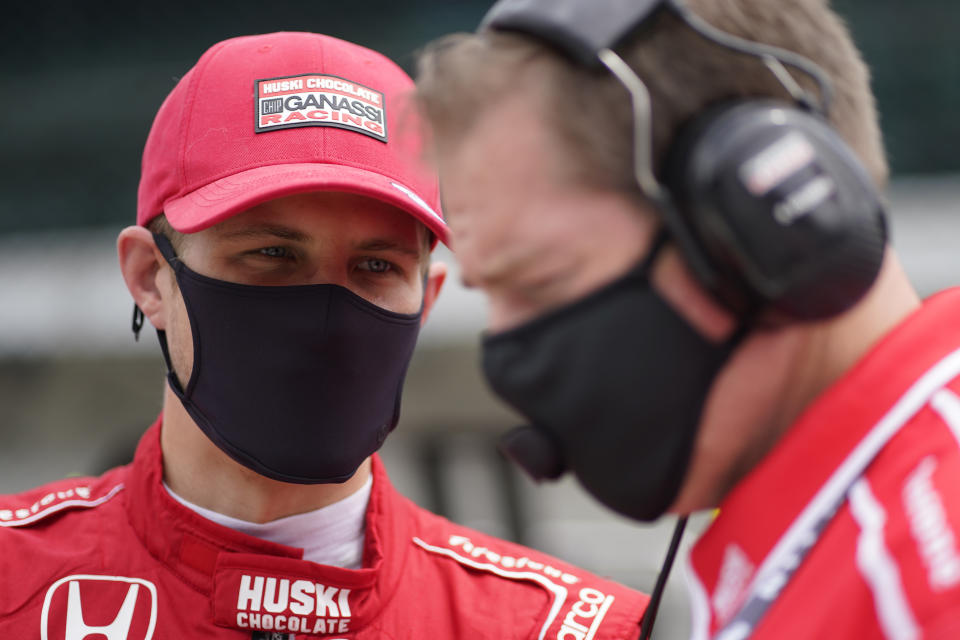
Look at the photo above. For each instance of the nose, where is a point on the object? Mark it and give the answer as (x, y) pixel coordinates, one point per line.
(328, 270)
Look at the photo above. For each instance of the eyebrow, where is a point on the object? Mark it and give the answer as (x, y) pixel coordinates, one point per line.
(384, 244)
(267, 229)
(289, 233)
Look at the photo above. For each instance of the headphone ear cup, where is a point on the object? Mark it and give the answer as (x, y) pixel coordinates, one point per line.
(779, 208)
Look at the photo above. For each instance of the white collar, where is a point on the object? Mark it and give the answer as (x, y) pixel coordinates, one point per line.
(331, 535)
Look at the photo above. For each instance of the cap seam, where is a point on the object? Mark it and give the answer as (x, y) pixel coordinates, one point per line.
(322, 138)
(192, 91)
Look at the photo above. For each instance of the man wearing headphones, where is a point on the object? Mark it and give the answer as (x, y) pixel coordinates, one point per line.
(673, 207)
(282, 252)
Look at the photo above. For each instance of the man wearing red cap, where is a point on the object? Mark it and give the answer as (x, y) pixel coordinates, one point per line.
(281, 251)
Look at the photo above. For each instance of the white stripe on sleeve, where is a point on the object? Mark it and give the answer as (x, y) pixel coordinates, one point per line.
(947, 404)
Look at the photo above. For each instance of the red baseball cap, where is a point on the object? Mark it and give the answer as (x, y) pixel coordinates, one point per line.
(264, 116)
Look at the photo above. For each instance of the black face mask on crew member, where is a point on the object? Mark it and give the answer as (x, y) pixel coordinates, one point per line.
(614, 385)
(298, 383)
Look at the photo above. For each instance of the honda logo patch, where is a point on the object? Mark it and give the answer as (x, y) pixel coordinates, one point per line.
(99, 607)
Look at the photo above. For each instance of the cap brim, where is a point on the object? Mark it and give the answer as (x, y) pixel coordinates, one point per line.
(228, 196)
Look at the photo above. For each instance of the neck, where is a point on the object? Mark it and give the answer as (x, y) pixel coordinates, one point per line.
(823, 352)
(198, 471)
(785, 371)
(833, 347)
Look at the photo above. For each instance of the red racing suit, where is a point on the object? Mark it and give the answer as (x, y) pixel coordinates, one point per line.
(116, 557)
(849, 528)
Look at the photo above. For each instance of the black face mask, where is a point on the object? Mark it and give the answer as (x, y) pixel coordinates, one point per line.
(614, 385)
(298, 383)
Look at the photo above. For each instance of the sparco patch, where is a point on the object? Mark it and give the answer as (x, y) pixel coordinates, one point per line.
(313, 100)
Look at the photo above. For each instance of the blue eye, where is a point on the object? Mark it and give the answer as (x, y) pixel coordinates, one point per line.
(274, 252)
(376, 265)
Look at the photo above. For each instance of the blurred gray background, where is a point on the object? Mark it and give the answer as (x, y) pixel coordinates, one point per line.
(82, 81)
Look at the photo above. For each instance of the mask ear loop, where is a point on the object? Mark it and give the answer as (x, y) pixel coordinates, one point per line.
(166, 249)
(656, 246)
(170, 255)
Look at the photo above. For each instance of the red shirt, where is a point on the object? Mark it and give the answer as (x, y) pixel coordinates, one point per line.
(117, 557)
(867, 480)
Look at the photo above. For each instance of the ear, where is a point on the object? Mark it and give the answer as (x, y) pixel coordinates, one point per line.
(141, 264)
(436, 276)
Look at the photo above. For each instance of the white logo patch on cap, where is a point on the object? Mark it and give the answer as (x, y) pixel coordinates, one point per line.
(314, 100)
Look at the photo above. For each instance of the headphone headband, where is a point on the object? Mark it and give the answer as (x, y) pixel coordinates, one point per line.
(581, 30)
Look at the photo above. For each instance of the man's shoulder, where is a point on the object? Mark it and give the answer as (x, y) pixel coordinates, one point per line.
(42, 505)
(52, 530)
(568, 599)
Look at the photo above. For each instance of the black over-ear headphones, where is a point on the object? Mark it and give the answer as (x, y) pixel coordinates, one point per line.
(769, 206)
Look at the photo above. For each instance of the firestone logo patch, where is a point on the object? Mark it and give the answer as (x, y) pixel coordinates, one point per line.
(314, 100)
(103, 607)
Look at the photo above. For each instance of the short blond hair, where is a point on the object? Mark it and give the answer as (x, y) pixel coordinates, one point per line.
(459, 75)
(162, 227)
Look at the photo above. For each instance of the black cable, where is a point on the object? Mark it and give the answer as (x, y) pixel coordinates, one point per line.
(646, 624)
